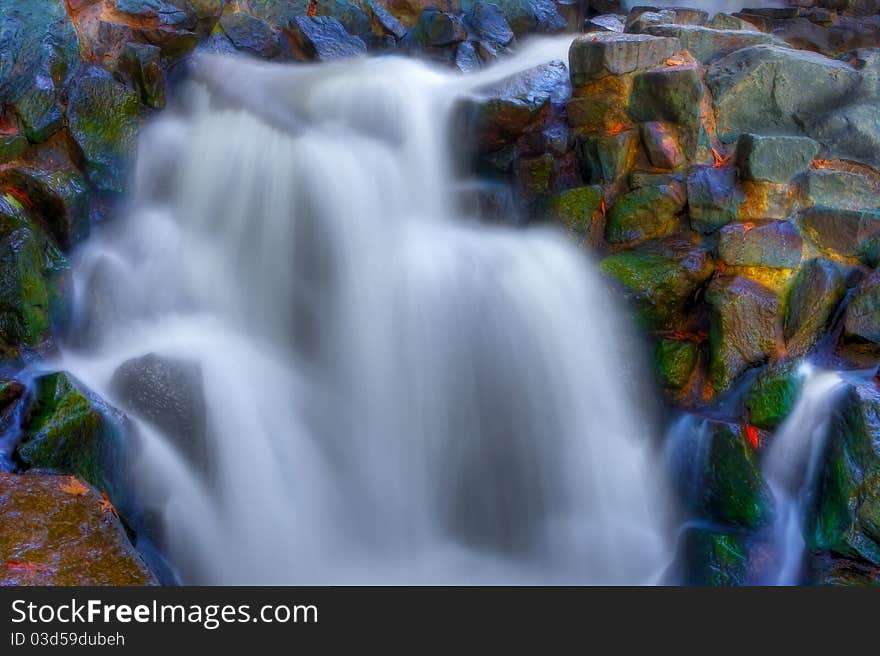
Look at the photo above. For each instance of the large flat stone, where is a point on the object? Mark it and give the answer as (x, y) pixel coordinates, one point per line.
(609, 53)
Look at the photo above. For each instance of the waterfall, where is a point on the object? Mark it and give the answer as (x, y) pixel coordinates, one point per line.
(393, 393)
(791, 466)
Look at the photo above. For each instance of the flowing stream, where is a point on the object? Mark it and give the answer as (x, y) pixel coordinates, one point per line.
(394, 393)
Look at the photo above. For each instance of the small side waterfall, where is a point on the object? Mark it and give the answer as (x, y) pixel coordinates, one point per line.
(791, 466)
(394, 394)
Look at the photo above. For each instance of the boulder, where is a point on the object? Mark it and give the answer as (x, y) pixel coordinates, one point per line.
(761, 90)
(143, 65)
(713, 198)
(321, 38)
(660, 141)
(714, 558)
(772, 396)
(745, 327)
(487, 22)
(600, 105)
(775, 244)
(383, 21)
(25, 313)
(352, 17)
(435, 29)
(721, 21)
(534, 175)
(707, 44)
(840, 231)
(816, 291)
(669, 93)
(525, 16)
(610, 53)
(71, 430)
(674, 362)
(167, 393)
(51, 534)
(575, 208)
(179, 14)
(251, 34)
(661, 278)
(774, 158)
(764, 200)
(605, 23)
(841, 189)
(862, 319)
(40, 52)
(408, 11)
(279, 13)
(607, 157)
(103, 119)
(644, 213)
(851, 132)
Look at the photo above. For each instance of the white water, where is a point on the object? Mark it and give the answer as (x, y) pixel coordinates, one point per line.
(394, 393)
(790, 468)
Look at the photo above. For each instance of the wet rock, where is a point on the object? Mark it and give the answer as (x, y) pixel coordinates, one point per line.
(852, 132)
(661, 145)
(278, 13)
(661, 278)
(707, 44)
(251, 34)
(487, 23)
(841, 189)
(491, 201)
(761, 89)
(40, 51)
(772, 396)
(24, 290)
(644, 213)
(467, 60)
(166, 13)
(383, 21)
(576, 208)
(603, 54)
(841, 231)
(534, 175)
(53, 537)
(408, 11)
(525, 16)
(600, 105)
(713, 198)
(745, 327)
(733, 492)
(670, 93)
(774, 158)
(72, 431)
(607, 157)
(103, 119)
(723, 21)
(321, 38)
(766, 200)
(674, 362)
(143, 64)
(167, 393)
(353, 18)
(207, 13)
(605, 23)
(775, 244)
(713, 558)
(435, 29)
(846, 519)
(862, 319)
(815, 293)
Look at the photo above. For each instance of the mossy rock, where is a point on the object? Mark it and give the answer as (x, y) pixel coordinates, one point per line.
(713, 558)
(70, 430)
(25, 307)
(674, 362)
(667, 94)
(644, 213)
(813, 297)
(575, 208)
(607, 157)
(772, 396)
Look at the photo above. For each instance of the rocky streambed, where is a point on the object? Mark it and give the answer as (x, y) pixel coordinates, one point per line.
(722, 169)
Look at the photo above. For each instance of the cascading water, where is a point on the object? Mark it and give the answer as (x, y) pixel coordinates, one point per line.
(394, 394)
(791, 466)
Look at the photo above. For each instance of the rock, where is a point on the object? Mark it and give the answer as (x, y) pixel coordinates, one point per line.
(772, 396)
(745, 327)
(575, 208)
(761, 90)
(644, 213)
(732, 490)
(251, 34)
(605, 23)
(549, 20)
(143, 64)
(207, 13)
(815, 293)
(722, 21)
(53, 537)
(841, 231)
(775, 244)
(487, 23)
(661, 277)
(167, 393)
(24, 290)
(491, 201)
(841, 189)
(774, 158)
(167, 13)
(383, 21)
(851, 132)
(353, 18)
(103, 119)
(607, 157)
(610, 53)
(525, 16)
(862, 318)
(534, 175)
(600, 105)
(72, 431)
(435, 29)
(661, 145)
(670, 93)
(713, 558)
(321, 38)
(674, 362)
(707, 44)
(640, 18)
(846, 516)
(40, 51)
(713, 198)
(408, 11)
(279, 13)
(766, 200)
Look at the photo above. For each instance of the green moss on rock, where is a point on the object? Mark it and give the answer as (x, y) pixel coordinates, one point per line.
(713, 558)
(644, 213)
(772, 396)
(574, 208)
(674, 362)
